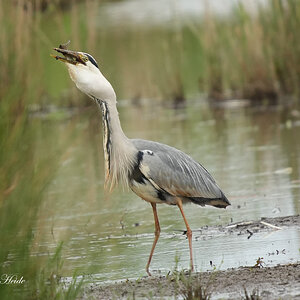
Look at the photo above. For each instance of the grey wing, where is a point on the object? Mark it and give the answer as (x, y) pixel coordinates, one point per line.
(178, 174)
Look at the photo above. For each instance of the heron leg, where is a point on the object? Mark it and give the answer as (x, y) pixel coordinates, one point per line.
(188, 233)
(157, 233)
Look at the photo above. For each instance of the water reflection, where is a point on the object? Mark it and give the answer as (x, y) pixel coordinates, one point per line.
(253, 156)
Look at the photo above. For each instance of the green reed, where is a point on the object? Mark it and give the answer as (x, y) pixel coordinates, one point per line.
(253, 56)
(244, 55)
(24, 172)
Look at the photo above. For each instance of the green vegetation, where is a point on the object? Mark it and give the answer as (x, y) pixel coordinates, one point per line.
(249, 56)
(195, 291)
(246, 55)
(24, 176)
(26, 168)
(25, 172)
(189, 286)
(253, 296)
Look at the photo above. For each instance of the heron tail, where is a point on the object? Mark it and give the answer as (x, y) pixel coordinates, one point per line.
(221, 202)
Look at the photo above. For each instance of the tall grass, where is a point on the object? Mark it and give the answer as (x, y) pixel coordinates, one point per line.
(24, 175)
(255, 57)
(244, 55)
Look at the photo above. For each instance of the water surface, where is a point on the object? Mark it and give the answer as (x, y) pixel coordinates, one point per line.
(252, 153)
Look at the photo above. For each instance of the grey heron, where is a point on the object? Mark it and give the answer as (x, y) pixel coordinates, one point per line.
(156, 172)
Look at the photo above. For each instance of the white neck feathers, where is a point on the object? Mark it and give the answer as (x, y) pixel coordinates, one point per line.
(119, 152)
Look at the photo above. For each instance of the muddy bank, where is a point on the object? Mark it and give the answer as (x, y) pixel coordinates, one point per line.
(278, 282)
(249, 228)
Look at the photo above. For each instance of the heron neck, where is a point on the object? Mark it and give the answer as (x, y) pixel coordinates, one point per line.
(119, 152)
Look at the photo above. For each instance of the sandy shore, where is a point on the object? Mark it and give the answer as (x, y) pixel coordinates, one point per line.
(278, 282)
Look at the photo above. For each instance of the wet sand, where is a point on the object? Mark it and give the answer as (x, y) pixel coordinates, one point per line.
(278, 282)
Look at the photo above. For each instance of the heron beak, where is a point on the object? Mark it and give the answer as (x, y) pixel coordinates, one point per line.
(69, 56)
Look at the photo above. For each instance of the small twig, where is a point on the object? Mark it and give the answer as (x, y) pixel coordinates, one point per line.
(270, 225)
(240, 224)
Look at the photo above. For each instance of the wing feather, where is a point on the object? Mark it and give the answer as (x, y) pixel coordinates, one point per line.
(176, 172)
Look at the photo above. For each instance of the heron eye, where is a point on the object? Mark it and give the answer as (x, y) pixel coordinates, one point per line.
(92, 60)
(84, 58)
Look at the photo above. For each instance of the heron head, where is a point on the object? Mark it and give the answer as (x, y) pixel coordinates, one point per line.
(85, 73)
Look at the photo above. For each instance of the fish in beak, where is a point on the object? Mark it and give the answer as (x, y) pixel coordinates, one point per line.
(69, 56)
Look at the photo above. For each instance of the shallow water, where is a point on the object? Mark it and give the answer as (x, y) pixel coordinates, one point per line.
(252, 153)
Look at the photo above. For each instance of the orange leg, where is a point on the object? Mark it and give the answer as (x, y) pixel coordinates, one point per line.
(188, 233)
(157, 233)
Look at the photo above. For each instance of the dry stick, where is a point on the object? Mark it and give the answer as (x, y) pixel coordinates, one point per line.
(270, 225)
(251, 222)
(246, 223)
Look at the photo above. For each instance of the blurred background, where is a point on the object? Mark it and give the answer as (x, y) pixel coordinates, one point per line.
(219, 80)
